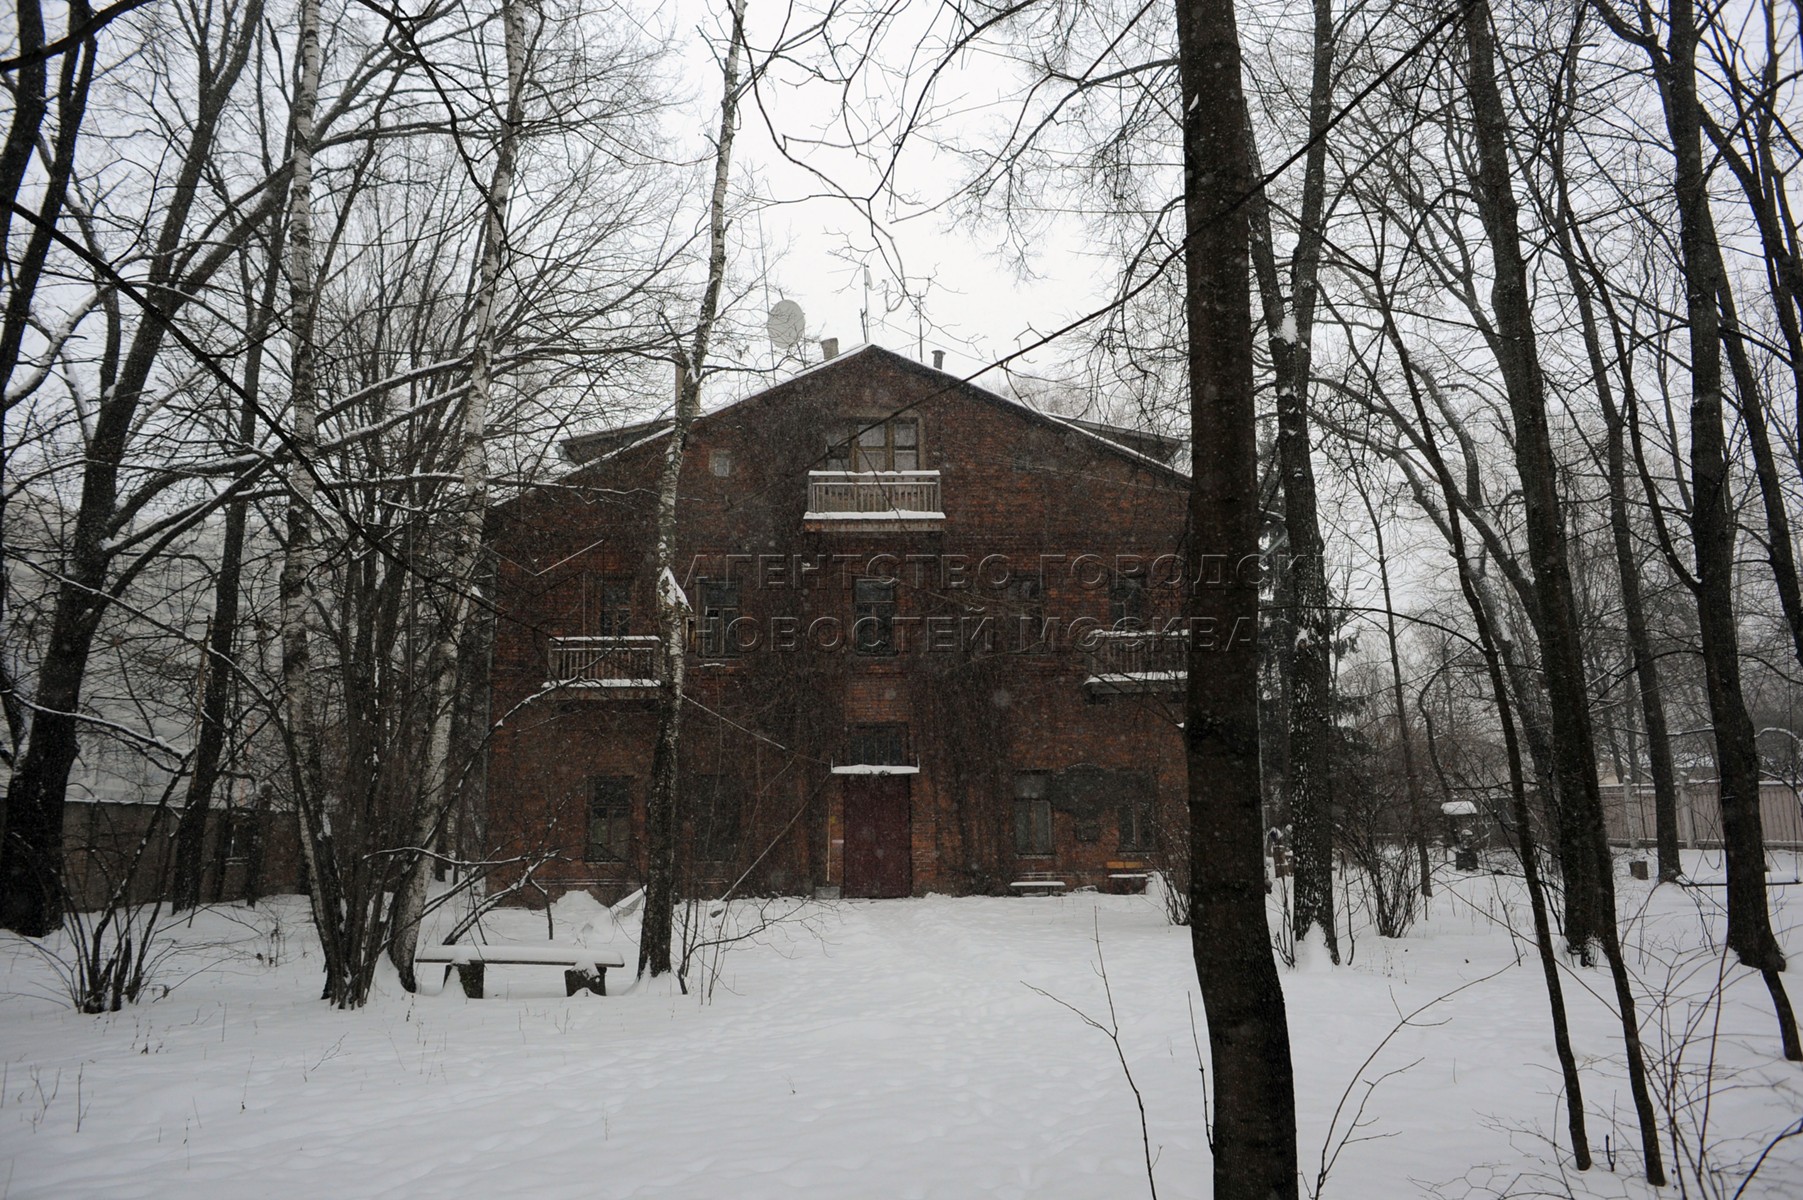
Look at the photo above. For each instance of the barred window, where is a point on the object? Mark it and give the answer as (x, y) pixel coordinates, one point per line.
(612, 603)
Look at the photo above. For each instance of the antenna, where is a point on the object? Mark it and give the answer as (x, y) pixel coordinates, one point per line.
(786, 324)
(864, 313)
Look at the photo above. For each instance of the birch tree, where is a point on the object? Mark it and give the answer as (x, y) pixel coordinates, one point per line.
(672, 606)
(484, 276)
(463, 565)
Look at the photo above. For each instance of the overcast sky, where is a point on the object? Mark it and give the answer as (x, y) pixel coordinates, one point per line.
(976, 308)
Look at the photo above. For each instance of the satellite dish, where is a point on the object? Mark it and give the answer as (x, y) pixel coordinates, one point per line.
(786, 324)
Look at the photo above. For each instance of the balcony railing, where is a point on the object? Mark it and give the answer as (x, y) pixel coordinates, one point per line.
(868, 499)
(875, 750)
(629, 661)
(1136, 660)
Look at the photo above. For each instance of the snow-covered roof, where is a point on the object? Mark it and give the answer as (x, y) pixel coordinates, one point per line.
(630, 437)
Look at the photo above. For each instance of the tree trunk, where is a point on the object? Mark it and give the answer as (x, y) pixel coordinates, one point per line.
(28, 115)
(1712, 529)
(1761, 180)
(1290, 328)
(1411, 774)
(1779, 555)
(31, 900)
(29, 109)
(437, 793)
(672, 612)
(190, 836)
(1627, 564)
(1530, 868)
(1590, 896)
(1588, 903)
(305, 771)
(1492, 647)
(1254, 1136)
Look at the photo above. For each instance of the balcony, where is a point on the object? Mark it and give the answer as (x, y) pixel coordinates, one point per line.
(1135, 661)
(883, 749)
(623, 665)
(873, 501)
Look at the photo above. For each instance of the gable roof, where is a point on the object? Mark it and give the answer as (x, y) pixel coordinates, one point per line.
(1143, 448)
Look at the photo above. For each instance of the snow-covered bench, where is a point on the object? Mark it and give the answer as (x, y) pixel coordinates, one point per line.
(583, 967)
(1038, 883)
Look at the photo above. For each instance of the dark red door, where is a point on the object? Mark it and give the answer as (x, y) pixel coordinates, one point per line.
(876, 836)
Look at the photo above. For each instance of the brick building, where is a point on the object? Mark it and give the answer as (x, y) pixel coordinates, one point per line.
(924, 653)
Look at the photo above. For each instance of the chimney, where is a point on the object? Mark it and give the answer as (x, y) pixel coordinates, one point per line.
(938, 360)
(829, 348)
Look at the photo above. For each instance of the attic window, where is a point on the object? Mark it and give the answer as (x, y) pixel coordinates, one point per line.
(892, 445)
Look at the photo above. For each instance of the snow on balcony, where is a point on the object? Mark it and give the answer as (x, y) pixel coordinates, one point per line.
(628, 662)
(873, 500)
(1136, 660)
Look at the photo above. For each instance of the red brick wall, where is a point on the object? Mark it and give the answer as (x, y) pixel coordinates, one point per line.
(1042, 496)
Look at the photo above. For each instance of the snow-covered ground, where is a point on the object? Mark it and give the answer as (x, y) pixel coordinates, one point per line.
(904, 1048)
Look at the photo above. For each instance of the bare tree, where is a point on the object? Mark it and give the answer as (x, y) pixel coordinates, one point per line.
(1417, 803)
(221, 670)
(672, 607)
(182, 261)
(1580, 270)
(463, 565)
(1289, 313)
(454, 340)
(1711, 524)
(1254, 1135)
(1481, 614)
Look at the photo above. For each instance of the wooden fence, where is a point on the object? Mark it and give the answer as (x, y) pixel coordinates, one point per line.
(1628, 812)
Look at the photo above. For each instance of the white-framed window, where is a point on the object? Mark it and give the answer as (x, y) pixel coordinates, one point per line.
(892, 445)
